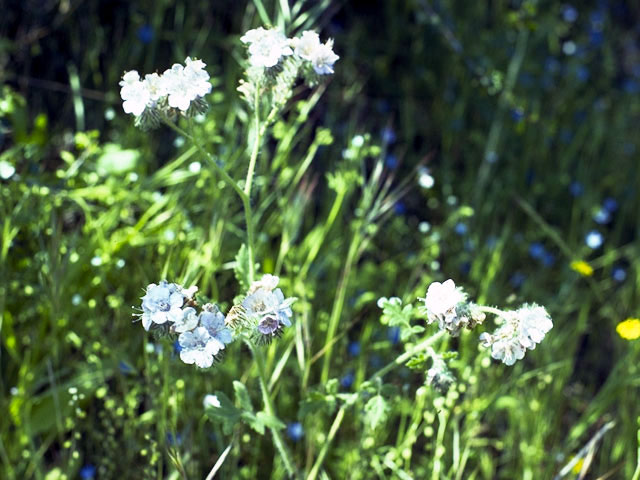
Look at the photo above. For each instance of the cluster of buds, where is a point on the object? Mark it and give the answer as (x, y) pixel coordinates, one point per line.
(179, 90)
(169, 308)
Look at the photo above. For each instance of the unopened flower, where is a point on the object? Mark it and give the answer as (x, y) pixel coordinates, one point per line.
(521, 330)
(163, 303)
(211, 401)
(266, 47)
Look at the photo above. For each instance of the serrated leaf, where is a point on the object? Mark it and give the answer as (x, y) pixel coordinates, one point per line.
(316, 401)
(226, 413)
(375, 410)
(270, 420)
(242, 267)
(242, 396)
(254, 422)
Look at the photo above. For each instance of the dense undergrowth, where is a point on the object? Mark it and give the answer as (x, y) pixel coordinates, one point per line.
(493, 143)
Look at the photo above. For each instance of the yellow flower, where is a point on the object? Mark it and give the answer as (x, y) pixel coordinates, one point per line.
(577, 468)
(629, 329)
(582, 267)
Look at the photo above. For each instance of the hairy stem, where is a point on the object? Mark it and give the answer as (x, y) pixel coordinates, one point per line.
(268, 407)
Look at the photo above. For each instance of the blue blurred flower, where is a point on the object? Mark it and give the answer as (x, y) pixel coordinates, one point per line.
(393, 334)
(465, 268)
(88, 472)
(582, 73)
(537, 250)
(576, 189)
(347, 380)
(353, 348)
(177, 348)
(145, 33)
(461, 228)
(391, 161)
(124, 367)
(619, 274)
(517, 279)
(517, 114)
(602, 216)
(569, 14)
(594, 239)
(295, 431)
(596, 38)
(610, 204)
(388, 135)
(552, 65)
(566, 135)
(174, 439)
(548, 259)
(491, 242)
(400, 208)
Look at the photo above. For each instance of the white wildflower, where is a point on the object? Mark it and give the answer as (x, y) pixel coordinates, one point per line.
(521, 330)
(323, 58)
(266, 47)
(306, 45)
(135, 93)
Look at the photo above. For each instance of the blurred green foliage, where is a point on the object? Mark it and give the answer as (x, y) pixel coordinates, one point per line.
(524, 112)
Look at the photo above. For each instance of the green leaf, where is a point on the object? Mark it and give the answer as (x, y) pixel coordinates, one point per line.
(242, 267)
(242, 396)
(270, 420)
(226, 413)
(375, 410)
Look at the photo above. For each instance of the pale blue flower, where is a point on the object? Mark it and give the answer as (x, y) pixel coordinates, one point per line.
(199, 347)
(188, 320)
(213, 321)
(269, 309)
(594, 239)
(163, 303)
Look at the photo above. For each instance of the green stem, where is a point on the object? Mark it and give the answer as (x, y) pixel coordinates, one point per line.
(338, 305)
(249, 181)
(424, 345)
(495, 311)
(268, 407)
(246, 201)
(325, 448)
(419, 347)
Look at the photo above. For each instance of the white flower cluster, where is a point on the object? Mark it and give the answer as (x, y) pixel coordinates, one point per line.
(521, 330)
(176, 88)
(447, 304)
(202, 336)
(268, 46)
(265, 306)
